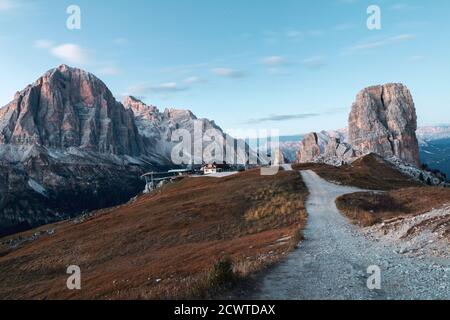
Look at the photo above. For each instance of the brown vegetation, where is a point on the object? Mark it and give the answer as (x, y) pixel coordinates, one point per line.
(183, 241)
(369, 172)
(369, 208)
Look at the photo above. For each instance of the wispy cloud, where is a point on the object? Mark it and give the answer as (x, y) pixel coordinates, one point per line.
(316, 62)
(228, 73)
(274, 61)
(194, 80)
(273, 37)
(281, 118)
(71, 53)
(289, 117)
(383, 42)
(167, 87)
(276, 65)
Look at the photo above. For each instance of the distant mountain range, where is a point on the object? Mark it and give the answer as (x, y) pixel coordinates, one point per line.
(434, 142)
(435, 147)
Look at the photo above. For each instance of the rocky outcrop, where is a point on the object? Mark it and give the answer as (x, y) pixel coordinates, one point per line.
(383, 121)
(66, 108)
(157, 129)
(325, 147)
(338, 149)
(311, 147)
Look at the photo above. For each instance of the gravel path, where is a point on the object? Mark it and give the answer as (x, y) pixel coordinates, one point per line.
(332, 262)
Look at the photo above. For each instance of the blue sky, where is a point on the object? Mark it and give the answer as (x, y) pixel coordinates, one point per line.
(291, 65)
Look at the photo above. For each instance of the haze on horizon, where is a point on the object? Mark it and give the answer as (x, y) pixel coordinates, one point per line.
(290, 65)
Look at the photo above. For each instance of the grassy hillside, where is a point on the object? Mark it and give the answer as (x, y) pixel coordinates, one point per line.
(185, 240)
(368, 208)
(369, 172)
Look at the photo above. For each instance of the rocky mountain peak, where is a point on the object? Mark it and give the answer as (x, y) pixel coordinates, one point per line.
(69, 107)
(383, 121)
(179, 114)
(138, 107)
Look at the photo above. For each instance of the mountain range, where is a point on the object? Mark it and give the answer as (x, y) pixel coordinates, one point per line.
(67, 146)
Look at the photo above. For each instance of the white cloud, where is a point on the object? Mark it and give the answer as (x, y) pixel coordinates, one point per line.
(6, 5)
(43, 44)
(228, 73)
(74, 54)
(71, 53)
(383, 42)
(273, 61)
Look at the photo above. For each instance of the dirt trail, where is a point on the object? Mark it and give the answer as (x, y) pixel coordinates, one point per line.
(332, 262)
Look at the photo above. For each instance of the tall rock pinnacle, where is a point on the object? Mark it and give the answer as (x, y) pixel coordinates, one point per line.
(383, 120)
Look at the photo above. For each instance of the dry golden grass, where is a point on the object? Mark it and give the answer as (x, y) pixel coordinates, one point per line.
(167, 245)
(368, 208)
(369, 172)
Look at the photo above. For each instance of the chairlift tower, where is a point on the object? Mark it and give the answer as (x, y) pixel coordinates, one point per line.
(149, 182)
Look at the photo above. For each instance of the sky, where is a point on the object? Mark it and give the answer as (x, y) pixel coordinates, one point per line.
(290, 65)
